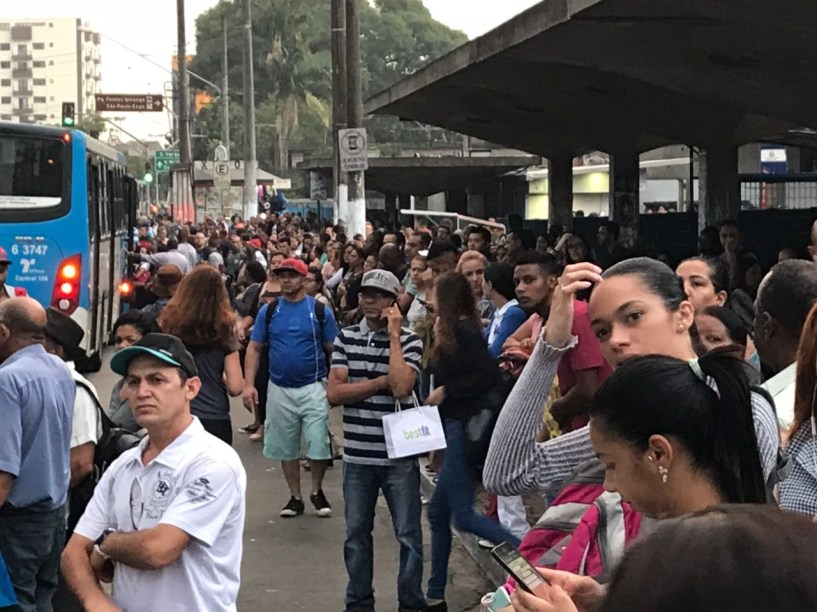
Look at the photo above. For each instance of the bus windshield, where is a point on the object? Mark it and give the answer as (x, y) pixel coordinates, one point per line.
(31, 172)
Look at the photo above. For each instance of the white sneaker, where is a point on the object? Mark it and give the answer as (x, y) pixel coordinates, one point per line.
(485, 544)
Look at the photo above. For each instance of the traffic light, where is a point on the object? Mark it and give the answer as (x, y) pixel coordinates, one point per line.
(148, 176)
(68, 109)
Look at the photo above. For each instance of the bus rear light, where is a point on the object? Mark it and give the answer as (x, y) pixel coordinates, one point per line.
(125, 288)
(69, 271)
(65, 295)
(66, 137)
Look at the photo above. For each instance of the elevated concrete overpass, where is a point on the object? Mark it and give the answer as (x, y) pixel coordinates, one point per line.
(626, 76)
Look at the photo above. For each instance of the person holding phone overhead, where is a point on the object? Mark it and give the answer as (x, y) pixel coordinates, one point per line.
(375, 363)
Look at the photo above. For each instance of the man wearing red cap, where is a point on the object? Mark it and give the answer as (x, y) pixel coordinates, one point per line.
(299, 334)
(7, 291)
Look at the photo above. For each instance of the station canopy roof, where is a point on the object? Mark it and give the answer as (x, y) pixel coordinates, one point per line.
(570, 76)
(424, 176)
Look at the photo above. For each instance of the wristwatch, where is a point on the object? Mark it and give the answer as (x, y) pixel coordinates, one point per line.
(98, 542)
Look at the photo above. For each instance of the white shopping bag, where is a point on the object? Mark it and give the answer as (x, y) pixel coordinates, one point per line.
(414, 431)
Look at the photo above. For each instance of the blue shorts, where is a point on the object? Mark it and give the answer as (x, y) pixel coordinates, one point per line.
(292, 411)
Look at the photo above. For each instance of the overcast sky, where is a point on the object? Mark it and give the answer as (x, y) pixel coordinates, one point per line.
(148, 28)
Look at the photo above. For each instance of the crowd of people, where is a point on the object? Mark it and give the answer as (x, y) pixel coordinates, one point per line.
(686, 392)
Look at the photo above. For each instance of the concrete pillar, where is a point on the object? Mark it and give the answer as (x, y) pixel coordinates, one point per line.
(625, 184)
(719, 187)
(560, 200)
(391, 208)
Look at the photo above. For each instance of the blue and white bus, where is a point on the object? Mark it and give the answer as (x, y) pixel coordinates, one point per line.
(66, 206)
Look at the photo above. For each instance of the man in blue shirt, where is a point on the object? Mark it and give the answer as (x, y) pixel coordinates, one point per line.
(299, 335)
(37, 395)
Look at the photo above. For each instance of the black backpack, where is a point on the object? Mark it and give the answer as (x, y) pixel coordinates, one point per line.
(111, 444)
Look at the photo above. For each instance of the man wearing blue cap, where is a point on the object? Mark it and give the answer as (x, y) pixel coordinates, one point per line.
(167, 518)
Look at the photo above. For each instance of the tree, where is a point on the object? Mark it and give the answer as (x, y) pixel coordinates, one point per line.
(399, 38)
(292, 64)
(93, 125)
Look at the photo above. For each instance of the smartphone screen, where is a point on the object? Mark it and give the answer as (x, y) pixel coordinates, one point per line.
(517, 566)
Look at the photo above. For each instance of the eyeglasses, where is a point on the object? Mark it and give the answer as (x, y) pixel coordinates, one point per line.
(375, 295)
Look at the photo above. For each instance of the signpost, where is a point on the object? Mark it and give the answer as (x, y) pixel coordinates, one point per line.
(165, 159)
(221, 175)
(354, 155)
(129, 103)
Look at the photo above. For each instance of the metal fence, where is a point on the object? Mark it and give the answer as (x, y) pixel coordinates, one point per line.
(789, 192)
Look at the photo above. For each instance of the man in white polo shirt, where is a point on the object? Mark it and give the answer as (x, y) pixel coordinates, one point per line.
(167, 517)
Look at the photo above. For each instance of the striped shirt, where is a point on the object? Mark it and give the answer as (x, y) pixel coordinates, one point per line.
(365, 354)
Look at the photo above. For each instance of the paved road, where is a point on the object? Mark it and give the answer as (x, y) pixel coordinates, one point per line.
(297, 564)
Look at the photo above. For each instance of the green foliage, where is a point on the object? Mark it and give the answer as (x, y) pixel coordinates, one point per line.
(93, 125)
(293, 77)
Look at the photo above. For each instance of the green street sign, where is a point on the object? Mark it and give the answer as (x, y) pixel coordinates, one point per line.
(165, 159)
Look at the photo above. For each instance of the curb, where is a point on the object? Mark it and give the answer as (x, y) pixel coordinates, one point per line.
(481, 557)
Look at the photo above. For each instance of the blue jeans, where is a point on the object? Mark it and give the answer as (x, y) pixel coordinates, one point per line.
(453, 500)
(31, 544)
(400, 484)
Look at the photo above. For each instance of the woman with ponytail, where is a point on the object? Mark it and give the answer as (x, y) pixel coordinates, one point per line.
(686, 445)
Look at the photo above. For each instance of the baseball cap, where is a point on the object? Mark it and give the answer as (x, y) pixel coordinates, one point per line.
(163, 347)
(296, 265)
(382, 280)
(4, 257)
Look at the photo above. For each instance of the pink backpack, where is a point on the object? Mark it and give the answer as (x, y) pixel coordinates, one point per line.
(599, 542)
(584, 530)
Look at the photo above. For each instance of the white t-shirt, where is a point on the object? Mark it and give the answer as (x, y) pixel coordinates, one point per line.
(781, 388)
(197, 484)
(86, 426)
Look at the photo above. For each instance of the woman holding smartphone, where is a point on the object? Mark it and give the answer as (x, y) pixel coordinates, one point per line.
(686, 445)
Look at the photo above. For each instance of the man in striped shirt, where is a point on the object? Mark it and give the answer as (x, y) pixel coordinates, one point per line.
(373, 363)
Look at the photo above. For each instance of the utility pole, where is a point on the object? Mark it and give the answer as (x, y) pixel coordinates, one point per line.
(184, 87)
(354, 101)
(339, 115)
(225, 91)
(250, 164)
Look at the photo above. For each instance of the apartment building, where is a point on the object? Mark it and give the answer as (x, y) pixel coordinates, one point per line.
(45, 62)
